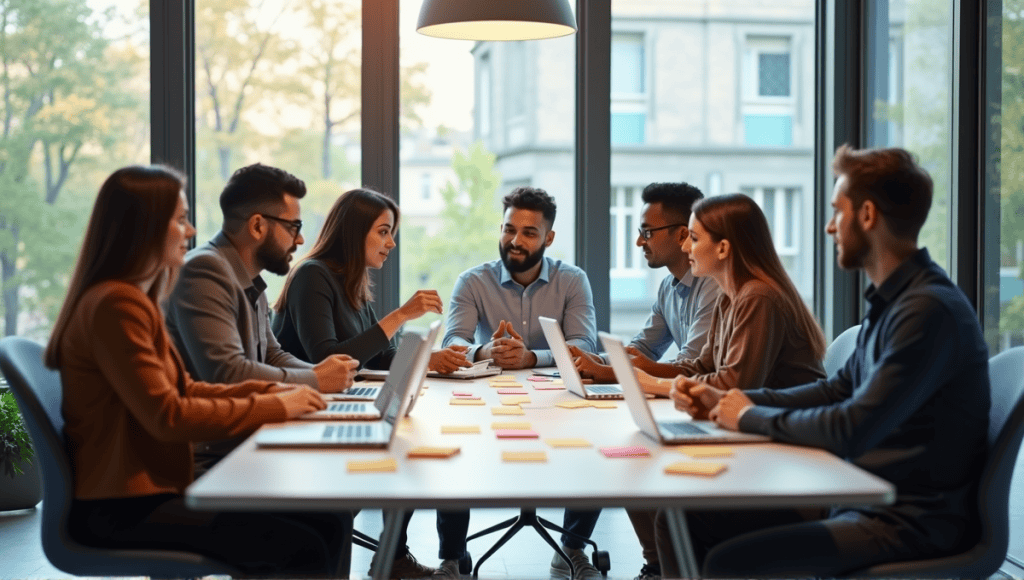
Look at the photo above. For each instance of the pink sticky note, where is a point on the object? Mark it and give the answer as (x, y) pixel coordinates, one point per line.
(539, 379)
(628, 451)
(512, 392)
(515, 434)
(464, 394)
(549, 387)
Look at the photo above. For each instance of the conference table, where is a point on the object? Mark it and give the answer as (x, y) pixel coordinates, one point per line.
(759, 475)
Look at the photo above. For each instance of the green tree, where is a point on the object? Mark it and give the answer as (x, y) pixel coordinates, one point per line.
(1011, 158)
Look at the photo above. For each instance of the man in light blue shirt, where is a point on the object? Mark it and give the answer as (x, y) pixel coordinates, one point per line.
(494, 310)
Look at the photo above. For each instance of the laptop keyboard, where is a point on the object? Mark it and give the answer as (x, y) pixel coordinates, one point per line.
(599, 390)
(347, 432)
(360, 391)
(683, 428)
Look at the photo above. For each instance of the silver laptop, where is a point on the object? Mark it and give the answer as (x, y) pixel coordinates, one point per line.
(665, 432)
(567, 370)
(393, 402)
(361, 392)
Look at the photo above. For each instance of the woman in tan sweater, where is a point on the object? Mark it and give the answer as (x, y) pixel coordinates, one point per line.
(131, 411)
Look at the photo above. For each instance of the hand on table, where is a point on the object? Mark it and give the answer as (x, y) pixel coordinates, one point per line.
(694, 397)
(726, 413)
(449, 359)
(590, 366)
(299, 399)
(508, 352)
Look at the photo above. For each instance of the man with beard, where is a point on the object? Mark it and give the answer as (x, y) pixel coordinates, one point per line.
(494, 310)
(911, 405)
(217, 313)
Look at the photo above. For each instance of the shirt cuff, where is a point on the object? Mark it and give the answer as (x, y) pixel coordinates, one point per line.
(743, 411)
(544, 358)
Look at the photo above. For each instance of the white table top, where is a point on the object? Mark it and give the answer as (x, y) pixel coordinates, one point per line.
(758, 475)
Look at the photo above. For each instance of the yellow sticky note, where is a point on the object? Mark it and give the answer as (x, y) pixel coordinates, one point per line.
(388, 464)
(524, 456)
(506, 385)
(501, 379)
(449, 429)
(465, 401)
(507, 411)
(510, 425)
(695, 468)
(568, 442)
(557, 382)
(603, 405)
(574, 404)
(700, 451)
(432, 452)
(513, 399)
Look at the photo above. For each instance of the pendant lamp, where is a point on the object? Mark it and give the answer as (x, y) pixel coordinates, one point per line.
(496, 19)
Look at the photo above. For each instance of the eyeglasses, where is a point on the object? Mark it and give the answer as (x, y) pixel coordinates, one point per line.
(646, 233)
(293, 224)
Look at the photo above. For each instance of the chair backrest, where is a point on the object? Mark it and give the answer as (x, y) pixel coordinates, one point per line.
(841, 350)
(38, 391)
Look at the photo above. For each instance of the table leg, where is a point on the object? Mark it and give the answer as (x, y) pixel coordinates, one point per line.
(388, 544)
(681, 544)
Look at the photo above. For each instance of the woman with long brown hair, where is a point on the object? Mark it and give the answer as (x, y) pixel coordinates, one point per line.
(131, 410)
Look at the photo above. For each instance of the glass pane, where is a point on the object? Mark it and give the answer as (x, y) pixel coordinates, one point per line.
(910, 51)
(482, 118)
(76, 107)
(728, 107)
(278, 82)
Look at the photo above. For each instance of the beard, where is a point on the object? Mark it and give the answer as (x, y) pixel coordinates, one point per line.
(516, 266)
(854, 248)
(273, 258)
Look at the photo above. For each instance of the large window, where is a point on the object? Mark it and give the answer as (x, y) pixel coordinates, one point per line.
(75, 107)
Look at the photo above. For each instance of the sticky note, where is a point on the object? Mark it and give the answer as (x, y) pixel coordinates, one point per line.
(510, 425)
(513, 399)
(432, 452)
(628, 451)
(463, 394)
(388, 464)
(449, 429)
(466, 401)
(524, 456)
(548, 387)
(502, 379)
(539, 379)
(512, 392)
(507, 411)
(699, 451)
(603, 405)
(567, 442)
(557, 381)
(695, 468)
(506, 385)
(515, 434)
(574, 404)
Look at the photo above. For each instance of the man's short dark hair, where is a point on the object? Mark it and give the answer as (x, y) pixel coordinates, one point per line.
(676, 199)
(532, 198)
(258, 188)
(891, 178)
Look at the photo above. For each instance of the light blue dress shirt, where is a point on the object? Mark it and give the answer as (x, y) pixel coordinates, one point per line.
(682, 315)
(485, 295)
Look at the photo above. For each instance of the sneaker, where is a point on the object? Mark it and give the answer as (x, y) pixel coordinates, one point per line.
(584, 569)
(649, 572)
(448, 570)
(406, 567)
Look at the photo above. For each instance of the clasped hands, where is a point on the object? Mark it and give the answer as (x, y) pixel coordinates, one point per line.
(508, 352)
(702, 401)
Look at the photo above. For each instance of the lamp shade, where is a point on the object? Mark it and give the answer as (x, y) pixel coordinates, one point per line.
(496, 19)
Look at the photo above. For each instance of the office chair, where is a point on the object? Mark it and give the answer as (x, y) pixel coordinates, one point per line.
(529, 517)
(1006, 427)
(841, 350)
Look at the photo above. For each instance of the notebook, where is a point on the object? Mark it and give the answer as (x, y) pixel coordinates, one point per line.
(412, 357)
(567, 370)
(484, 368)
(665, 432)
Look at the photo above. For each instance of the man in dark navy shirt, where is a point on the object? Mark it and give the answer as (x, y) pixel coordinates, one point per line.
(910, 405)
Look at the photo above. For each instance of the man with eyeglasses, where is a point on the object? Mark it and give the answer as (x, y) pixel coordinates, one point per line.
(217, 313)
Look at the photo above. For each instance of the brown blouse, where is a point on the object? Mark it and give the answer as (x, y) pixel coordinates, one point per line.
(752, 344)
(130, 408)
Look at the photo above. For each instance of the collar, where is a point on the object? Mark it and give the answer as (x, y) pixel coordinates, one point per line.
(897, 281)
(685, 284)
(255, 285)
(505, 277)
(253, 292)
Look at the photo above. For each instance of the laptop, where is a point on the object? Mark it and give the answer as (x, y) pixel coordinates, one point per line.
(567, 370)
(358, 392)
(392, 402)
(664, 432)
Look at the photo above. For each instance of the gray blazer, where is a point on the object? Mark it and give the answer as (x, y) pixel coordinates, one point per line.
(220, 336)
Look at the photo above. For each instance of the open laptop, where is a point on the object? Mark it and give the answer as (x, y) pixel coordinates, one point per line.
(665, 432)
(406, 374)
(362, 392)
(570, 376)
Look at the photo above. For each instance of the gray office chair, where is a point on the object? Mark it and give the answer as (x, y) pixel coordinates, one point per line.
(1006, 427)
(37, 390)
(840, 350)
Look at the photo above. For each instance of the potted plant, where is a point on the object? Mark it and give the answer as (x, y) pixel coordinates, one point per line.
(20, 486)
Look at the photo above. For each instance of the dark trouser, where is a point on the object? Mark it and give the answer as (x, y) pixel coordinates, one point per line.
(643, 525)
(269, 543)
(580, 522)
(452, 529)
(781, 544)
(403, 536)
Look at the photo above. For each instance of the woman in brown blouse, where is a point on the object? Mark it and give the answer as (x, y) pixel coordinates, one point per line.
(762, 334)
(131, 411)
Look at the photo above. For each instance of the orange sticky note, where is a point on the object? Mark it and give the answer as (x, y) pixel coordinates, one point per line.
(510, 425)
(381, 465)
(574, 404)
(700, 451)
(524, 456)
(465, 401)
(603, 405)
(513, 399)
(449, 429)
(567, 442)
(432, 452)
(507, 411)
(695, 468)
